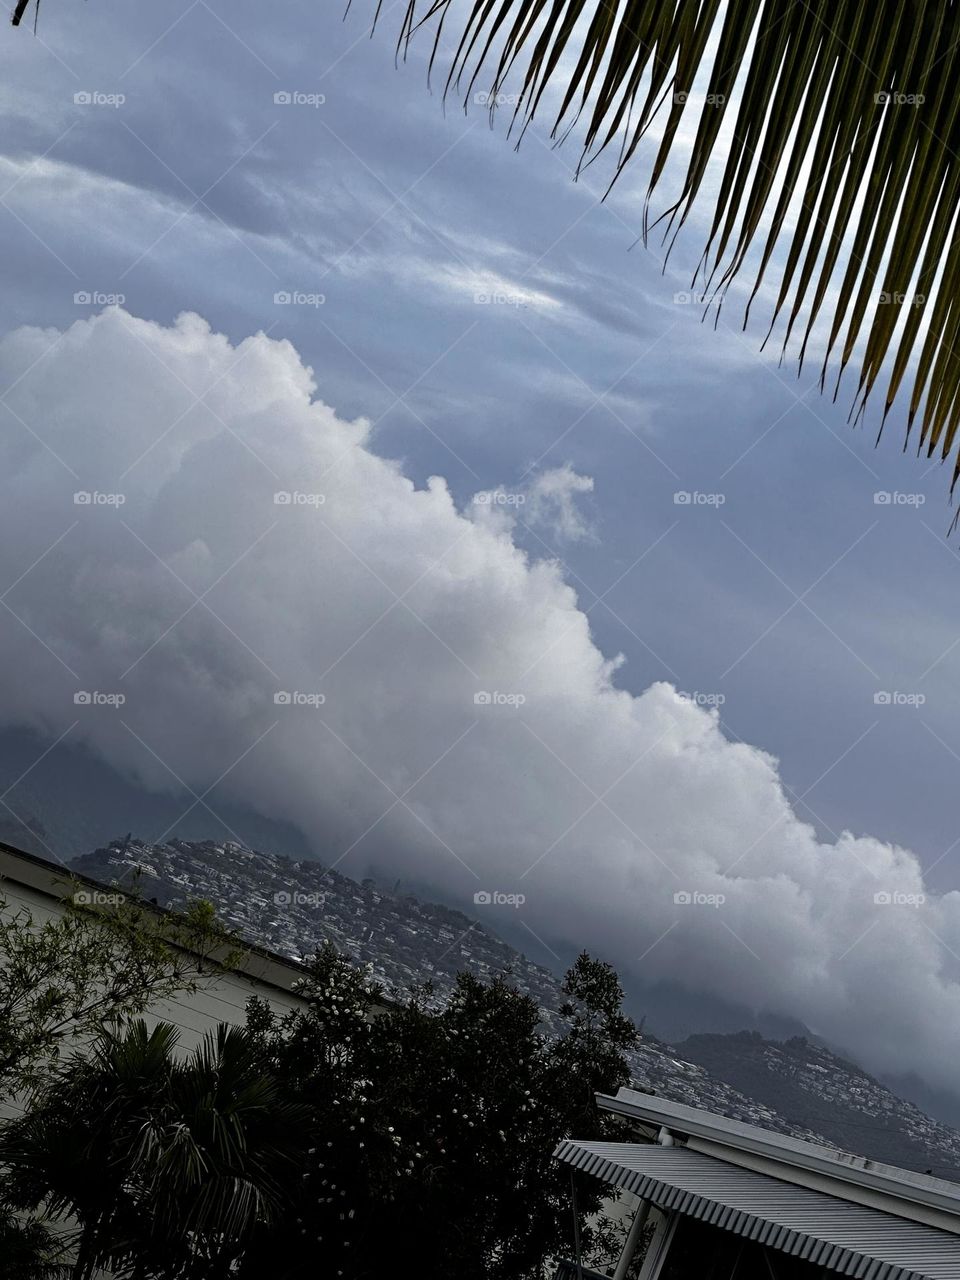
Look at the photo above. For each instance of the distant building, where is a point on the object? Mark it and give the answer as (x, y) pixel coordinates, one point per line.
(731, 1201)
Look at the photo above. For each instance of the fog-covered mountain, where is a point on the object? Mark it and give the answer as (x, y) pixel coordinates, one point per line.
(793, 1085)
(60, 799)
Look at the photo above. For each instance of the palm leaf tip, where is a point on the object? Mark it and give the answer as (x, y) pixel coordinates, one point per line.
(834, 132)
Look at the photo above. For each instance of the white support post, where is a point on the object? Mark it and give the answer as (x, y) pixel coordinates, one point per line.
(659, 1246)
(632, 1240)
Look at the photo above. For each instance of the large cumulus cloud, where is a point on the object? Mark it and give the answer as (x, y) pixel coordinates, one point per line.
(201, 597)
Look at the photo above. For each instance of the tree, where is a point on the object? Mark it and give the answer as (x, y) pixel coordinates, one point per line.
(29, 1249)
(432, 1134)
(64, 978)
(363, 1133)
(166, 1166)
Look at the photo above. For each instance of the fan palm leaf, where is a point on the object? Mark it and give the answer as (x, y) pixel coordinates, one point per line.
(835, 130)
(236, 1136)
(190, 1154)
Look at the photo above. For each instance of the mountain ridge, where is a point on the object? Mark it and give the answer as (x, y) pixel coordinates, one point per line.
(797, 1086)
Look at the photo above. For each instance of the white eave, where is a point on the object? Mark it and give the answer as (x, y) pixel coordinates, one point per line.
(915, 1196)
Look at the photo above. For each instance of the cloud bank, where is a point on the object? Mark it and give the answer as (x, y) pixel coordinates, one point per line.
(246, 598)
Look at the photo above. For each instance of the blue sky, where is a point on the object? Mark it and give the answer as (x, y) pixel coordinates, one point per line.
(797, 599)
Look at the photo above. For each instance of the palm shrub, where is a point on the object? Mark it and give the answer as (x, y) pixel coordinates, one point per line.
(30, 1250)
(165, 1165)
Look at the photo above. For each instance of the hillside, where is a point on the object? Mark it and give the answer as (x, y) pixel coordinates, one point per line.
(830, 1095)
(291, 907)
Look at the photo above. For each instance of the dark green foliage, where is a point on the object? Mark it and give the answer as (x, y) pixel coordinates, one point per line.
(64, 979)
(433, 1134)
(29, 1250)
(77, 978)
(165, 1165)
(363, 1134)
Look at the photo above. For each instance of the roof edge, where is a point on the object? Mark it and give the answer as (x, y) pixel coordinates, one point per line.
(902, 1185)
(50, 879)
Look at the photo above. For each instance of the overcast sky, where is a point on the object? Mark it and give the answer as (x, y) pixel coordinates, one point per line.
(475, 323)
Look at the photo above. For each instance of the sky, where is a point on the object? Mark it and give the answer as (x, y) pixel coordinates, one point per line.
(575, 598)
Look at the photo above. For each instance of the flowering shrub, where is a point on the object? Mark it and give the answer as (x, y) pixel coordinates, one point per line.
(432, 1133)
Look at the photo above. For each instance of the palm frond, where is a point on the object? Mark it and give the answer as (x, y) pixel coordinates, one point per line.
(843, 168)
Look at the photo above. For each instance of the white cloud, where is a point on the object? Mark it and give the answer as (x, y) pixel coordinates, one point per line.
(598, 805)
(552, 503)
(484, 286)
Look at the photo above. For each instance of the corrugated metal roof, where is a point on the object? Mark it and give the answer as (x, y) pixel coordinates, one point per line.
(904, 1184)
(851, 1239)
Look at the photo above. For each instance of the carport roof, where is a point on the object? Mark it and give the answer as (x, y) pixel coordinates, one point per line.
(851, 1239)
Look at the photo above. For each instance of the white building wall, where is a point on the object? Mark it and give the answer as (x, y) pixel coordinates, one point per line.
(220, 997)
(29, 885)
